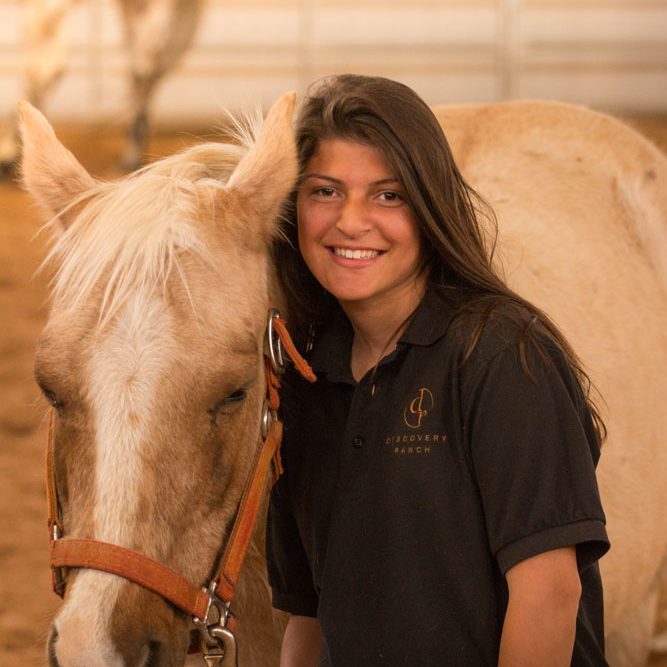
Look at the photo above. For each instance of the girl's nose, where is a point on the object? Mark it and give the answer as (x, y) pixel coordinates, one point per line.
(354, 218)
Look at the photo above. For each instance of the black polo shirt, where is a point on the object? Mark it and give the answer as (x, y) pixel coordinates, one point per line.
(407, 496)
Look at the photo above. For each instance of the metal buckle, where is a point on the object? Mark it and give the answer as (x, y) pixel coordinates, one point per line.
(274, 344)
(218, 642)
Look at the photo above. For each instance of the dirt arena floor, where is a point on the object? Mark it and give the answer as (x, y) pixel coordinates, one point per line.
(26, 601)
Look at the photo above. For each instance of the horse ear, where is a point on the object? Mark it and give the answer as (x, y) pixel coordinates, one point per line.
(266, 174)
(49, 172)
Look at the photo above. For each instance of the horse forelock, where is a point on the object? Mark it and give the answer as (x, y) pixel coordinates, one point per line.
(132, 235)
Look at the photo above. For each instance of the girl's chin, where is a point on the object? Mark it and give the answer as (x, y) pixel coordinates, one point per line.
(347, 290)
(352, 296)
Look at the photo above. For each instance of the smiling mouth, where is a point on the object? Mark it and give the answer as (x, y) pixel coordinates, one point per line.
(349, 253)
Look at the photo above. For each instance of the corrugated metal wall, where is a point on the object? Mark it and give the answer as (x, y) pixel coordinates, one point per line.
(611, 54)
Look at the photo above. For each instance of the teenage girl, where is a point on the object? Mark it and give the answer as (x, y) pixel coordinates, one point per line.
(439, 504)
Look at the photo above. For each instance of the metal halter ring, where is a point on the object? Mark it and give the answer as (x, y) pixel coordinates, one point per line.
(268, 417)
(274, 343)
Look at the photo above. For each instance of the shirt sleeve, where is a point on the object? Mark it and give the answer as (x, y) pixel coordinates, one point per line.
(289, 572)
(533, 451)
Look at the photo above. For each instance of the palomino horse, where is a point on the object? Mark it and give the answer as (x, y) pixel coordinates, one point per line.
(152, 359)
(151, 355)
(157, 34)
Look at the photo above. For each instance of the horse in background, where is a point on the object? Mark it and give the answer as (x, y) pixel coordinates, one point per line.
(582, 215)
(151, 354)
(157, 35)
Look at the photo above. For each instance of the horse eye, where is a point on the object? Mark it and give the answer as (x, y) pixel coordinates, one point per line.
(51, 397)
(235, 397)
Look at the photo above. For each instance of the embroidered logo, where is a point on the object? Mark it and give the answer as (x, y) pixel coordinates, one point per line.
(418, 408)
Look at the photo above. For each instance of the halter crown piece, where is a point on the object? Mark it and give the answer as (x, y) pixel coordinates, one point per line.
(209, 606)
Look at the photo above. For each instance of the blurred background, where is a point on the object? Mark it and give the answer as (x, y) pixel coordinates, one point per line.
(100, 68)
(610, 54)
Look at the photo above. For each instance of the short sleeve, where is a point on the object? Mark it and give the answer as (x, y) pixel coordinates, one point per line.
(533, 452)
(289, 572)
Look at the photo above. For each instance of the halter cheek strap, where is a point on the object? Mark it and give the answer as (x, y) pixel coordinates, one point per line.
(209, 606)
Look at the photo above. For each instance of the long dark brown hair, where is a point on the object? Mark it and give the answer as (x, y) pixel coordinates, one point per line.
(458, 251)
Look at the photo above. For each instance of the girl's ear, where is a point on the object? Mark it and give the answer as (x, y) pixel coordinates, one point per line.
(266, 174)
(49, 172)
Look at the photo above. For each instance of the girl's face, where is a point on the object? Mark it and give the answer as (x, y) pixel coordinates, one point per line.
(356, 233)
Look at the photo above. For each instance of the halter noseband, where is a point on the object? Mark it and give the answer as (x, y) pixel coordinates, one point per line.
(209, 606)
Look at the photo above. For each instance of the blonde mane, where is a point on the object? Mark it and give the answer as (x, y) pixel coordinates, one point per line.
(128, 236)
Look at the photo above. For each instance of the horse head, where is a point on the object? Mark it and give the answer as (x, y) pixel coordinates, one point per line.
(152, 361)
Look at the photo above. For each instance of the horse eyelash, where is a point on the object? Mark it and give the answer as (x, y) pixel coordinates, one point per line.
(235, 397)
(49, 395)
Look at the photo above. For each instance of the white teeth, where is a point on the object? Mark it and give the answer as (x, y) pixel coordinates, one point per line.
(356, 254)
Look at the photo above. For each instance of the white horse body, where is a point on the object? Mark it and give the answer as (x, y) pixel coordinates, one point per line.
(582, 213)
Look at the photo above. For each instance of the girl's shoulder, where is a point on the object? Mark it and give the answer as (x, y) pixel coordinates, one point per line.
(484, 326)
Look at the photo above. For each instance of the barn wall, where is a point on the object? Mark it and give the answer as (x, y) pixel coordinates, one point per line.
(610, 54)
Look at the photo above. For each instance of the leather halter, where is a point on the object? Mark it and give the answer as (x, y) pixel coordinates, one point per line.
(208, 605)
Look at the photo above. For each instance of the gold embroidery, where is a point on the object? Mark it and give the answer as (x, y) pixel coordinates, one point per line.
(418, 408)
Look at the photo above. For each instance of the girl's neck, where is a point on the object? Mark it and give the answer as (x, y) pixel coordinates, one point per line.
(378, 324)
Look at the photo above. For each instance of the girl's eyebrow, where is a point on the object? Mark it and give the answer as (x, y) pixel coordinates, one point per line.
(338, 181)
(322, 177)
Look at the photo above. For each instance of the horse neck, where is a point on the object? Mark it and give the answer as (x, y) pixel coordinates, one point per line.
(261, 629)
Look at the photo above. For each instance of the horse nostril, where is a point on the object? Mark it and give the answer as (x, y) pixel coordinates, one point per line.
(51, 650)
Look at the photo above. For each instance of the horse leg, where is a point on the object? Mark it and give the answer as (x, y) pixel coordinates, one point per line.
(261, 628)
(158, 33)
(630, 644)
(9, 148)
(137, 133)
(45, 63)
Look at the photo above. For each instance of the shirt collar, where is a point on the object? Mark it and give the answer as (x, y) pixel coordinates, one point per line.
(433, 315)
(332, 349)
(333, 343)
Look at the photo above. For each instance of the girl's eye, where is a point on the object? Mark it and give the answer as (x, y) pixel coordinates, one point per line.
(391, 198)
(324, 192)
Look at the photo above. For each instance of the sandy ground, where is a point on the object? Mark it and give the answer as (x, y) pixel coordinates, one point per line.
(26, 601)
